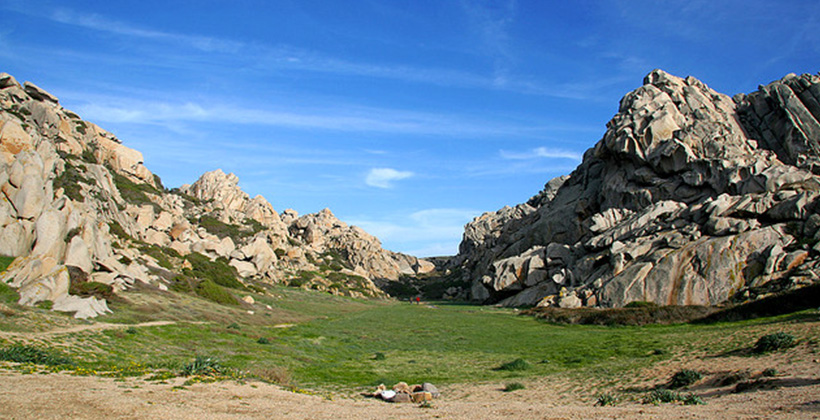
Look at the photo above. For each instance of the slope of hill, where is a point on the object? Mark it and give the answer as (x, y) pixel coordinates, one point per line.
(85, 219)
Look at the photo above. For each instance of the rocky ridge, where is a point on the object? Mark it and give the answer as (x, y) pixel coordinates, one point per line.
(81, 213)
(690, 197)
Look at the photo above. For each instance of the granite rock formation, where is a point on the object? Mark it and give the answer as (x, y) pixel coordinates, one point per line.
(690, 197)
(79, 208)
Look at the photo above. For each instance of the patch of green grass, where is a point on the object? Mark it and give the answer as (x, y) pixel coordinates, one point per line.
(333, 340)
(514, 386)
(515, 365)
(5, 262)
(30, 354)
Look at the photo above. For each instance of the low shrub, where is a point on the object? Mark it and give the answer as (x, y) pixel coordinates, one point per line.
(769, 372)
(379, 356)
(217, 271)
(203, 366)
(604, 400)
(45, 305)
(5, 262)
(662, 395)
(776, 341)
(90, 288)
(684, 378)
(135, 193)
(215, 293)
(515, 365)
(8, 294)
(692, 399)
(514, 386)
(29, 354)
(263, 341)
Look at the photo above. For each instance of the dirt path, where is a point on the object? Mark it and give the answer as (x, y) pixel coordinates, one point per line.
(97, 326)
(59, 396)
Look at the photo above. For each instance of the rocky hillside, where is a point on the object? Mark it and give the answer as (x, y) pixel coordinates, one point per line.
(691, 197)
(86, 219)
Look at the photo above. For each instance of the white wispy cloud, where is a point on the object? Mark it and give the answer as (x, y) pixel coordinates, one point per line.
(104, 24)
(384, 177)
(490, 22)
(542, 153)
(337, 117)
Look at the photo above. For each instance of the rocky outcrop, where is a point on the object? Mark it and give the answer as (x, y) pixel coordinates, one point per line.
(690, 197)
(78, 207)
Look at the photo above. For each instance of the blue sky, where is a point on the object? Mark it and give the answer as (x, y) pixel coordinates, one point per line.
(407, 118)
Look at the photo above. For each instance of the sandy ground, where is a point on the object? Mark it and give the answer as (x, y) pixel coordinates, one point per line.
(794, 393)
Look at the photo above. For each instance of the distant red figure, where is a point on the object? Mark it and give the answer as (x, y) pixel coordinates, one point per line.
(418, 300)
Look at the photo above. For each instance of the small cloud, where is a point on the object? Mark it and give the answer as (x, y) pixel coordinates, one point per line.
(542, 152)
(384, 177)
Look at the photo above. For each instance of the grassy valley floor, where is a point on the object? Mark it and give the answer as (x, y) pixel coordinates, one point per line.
(300, 354)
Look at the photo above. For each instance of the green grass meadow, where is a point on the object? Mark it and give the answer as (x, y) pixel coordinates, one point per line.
(341, 344)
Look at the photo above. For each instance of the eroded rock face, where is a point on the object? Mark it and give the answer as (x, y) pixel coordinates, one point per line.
(691, 197)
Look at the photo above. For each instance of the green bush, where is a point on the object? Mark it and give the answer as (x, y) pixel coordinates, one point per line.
(662, 395)
(379, 356)
(29, 354)
(7, 294)
(5, 262)
(160, 254)
(90, 288)
(215, 293)
(135, 193)
(692, 399)
(604, 400)
(204, 366)
(514, 386)
(69, 180)
(769, 372)
(263, 341)
(684, 378)
(116, 229)
(217, 271)
(45, 305)
(776, 341)
(515, 365)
